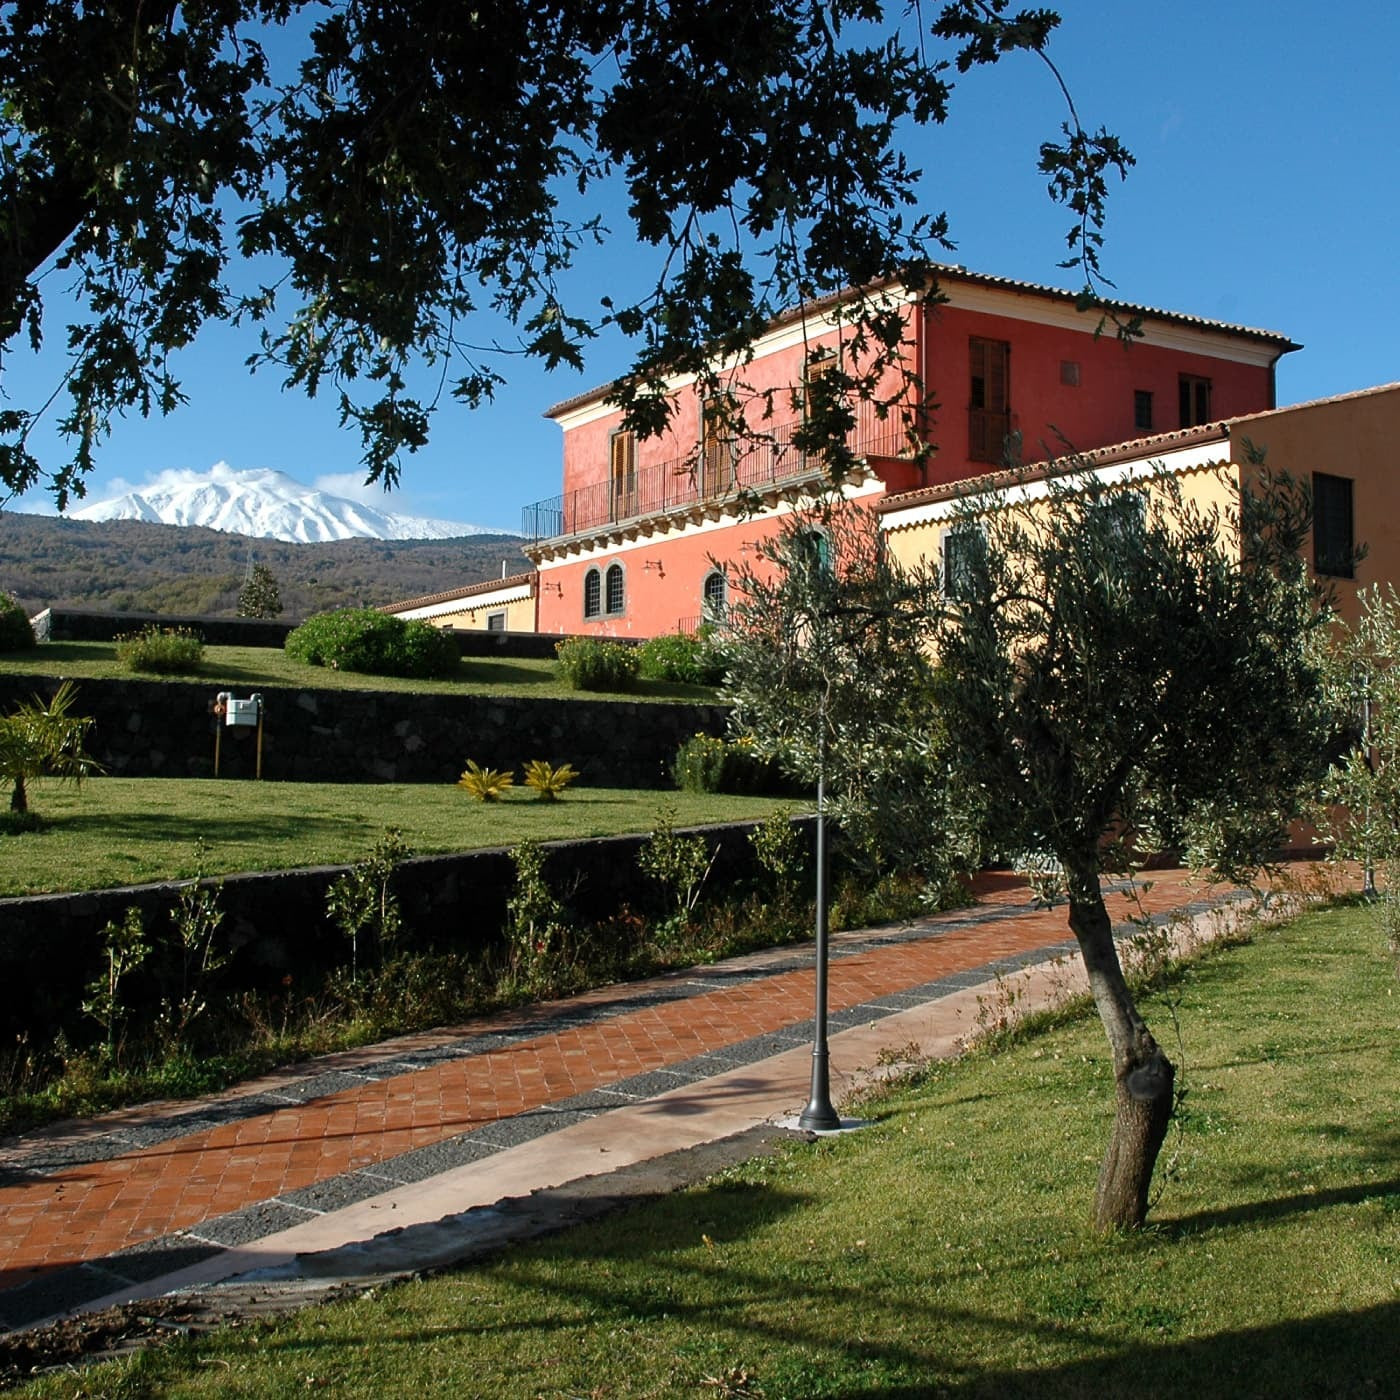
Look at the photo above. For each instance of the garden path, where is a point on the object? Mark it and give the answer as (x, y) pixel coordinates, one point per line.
(416, 1129)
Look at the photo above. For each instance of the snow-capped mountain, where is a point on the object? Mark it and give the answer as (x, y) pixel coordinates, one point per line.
(266, 504)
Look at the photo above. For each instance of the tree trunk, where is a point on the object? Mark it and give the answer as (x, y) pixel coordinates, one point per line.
(19, 798)
(1143, 1076)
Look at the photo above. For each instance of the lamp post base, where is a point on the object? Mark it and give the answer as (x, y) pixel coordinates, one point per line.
(819, 1116)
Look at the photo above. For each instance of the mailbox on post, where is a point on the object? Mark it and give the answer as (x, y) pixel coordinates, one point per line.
(232, 713)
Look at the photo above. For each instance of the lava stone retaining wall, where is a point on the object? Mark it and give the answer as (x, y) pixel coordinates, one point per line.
(92, 625)
(155, 729)
(277, 927)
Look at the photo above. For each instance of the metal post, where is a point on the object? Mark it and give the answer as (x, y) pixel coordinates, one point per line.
(1368, 880)
(819, 1116)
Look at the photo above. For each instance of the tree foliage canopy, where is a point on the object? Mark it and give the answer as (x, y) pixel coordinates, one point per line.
(392, 174)
(1123, 665)
(828, 669)
(1125, 668)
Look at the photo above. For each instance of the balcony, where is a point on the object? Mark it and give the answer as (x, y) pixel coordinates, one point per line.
(714, 473)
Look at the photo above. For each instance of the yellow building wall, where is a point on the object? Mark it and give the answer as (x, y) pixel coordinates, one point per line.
(1210, 489)
(1355, 436)
(520, 616)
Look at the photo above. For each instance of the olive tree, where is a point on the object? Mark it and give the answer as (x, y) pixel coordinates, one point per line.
(828, 669)
(1121, 669)
(1359, 814)
(384, 185)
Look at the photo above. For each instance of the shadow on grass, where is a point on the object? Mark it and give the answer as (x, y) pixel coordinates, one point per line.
(1335, 1355)
(631, 1271)
(1278, 1208)
(258, 825)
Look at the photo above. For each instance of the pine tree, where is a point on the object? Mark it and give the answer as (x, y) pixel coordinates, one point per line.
(260, 596)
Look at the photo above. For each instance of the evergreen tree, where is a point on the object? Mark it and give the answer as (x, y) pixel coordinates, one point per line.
(260, 596)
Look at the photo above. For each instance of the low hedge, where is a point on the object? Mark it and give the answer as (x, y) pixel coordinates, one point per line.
(373, 643)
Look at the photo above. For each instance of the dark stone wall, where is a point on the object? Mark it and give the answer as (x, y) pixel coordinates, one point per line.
(163, 729)
(91, 625)
(276, 923)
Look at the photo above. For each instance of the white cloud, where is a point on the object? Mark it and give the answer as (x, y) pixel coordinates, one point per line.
(353, 487)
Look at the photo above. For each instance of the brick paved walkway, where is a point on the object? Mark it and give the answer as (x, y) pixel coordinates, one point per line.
(133, 1195)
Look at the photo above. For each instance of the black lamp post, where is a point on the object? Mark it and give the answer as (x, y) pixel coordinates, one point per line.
(819, 1116)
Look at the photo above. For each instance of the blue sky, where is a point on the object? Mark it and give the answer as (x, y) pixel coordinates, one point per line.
(1267, 192)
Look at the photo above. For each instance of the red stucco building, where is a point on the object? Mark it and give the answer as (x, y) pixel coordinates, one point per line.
(640, 541)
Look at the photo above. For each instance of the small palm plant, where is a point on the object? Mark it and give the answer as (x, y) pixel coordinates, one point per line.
(43, 740)
(485, 784)
(547, 781)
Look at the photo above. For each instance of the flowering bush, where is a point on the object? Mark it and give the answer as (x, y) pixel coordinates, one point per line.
(161, 651)
(587, 664)
(705, 763)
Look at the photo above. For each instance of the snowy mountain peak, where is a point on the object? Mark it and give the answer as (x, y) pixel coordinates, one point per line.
(266, 504)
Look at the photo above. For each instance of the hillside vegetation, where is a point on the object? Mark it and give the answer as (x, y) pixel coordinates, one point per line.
(132, 566)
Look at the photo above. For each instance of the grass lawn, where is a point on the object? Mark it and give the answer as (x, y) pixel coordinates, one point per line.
(123, 831)
(945, 1250)
(268, 666)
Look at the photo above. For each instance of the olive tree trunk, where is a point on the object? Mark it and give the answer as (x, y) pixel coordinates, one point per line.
(1143, 1076)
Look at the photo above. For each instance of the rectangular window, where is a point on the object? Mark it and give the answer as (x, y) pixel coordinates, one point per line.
(496, 622)
(1194, 398)
(989, 399)
(818, 367)
(964, 560)
(622, 475)
(1069, 373)
(1142, 410)
(717, 445)
(1126, 512)
(1334, 537)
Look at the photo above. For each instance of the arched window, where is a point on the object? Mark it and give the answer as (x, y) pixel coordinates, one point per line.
(617, 595)
(592, 593)
(714, 605)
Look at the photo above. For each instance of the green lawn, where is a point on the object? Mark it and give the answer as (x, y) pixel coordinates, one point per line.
(945, 1250)
(269, 666)
(122, 831)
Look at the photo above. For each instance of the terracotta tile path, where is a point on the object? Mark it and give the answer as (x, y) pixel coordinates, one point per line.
(350, 1126)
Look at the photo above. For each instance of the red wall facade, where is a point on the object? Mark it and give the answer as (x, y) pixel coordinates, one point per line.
(1069, 389)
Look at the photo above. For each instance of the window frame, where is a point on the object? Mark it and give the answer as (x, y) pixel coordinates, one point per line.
(615, 574)
(1334, 525)
(988, 398)
(712, 610)
(496, 621)
(592, 593)
(622, 473)
(1143, 407)
(1194, 395)
(949, 572)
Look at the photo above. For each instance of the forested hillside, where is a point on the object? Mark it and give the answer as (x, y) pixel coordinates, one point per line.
(131, 566)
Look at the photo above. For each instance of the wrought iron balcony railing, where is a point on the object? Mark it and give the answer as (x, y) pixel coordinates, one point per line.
(713, 472)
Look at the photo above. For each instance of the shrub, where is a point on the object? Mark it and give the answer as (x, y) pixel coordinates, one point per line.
(485, 784)
(586, 664)
(677, 657)
(547, 780)
(705, 763)
(373, 643)
(15, 632)
(161, 651)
